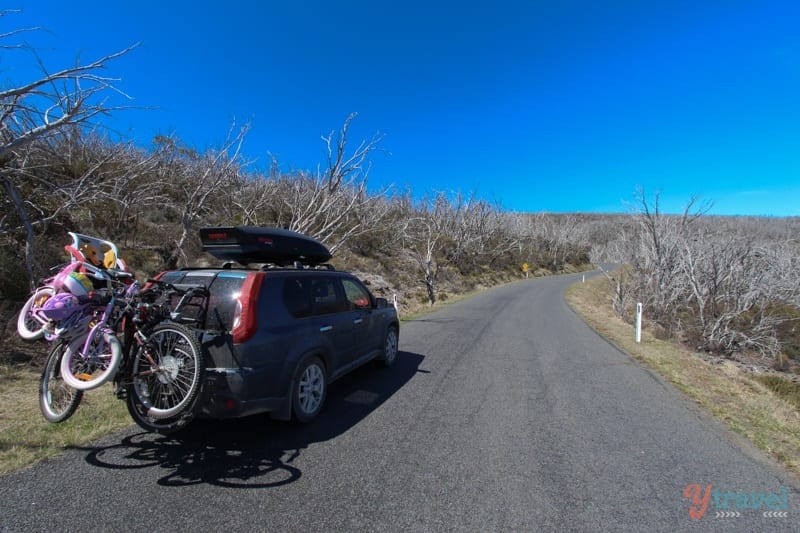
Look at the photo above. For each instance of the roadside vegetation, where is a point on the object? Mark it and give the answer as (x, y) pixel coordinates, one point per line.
(723, 285)
(751, 399)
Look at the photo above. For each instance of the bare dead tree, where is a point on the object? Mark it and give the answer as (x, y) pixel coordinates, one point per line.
(732, 293)
(558, 232)
(353, 167)
(523, 228)
(334, 205)
(65, 97)
(658, 257)
(723, 284)
(424, 235)
(65, 172)
(196, 181)
(256, 198)
(477, 231)
(333, 217)
(132, 189)
(36, 109)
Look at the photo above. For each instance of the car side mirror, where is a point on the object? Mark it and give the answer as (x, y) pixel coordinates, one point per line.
(381, 303)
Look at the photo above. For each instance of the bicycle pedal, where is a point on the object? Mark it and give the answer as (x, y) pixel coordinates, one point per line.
(83, 376)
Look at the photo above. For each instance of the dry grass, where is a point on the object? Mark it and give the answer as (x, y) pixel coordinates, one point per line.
(748, 404)
(789, 391)
(26, 437)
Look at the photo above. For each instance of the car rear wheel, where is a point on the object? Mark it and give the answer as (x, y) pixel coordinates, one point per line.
(310, 389)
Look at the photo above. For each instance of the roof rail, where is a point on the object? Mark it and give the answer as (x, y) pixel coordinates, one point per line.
(297, 265)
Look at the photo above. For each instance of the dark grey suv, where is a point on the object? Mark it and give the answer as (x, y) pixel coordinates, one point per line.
(277, 335)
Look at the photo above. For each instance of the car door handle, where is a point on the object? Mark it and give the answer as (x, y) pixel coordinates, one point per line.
(358, 321)
(325, 329)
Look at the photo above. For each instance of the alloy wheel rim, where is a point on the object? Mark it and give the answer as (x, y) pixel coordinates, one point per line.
(311, 388)
(391, 346)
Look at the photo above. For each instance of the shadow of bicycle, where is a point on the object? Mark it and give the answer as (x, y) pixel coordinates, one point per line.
(255, 451)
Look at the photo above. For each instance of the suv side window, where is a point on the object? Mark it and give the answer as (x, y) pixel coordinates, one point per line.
(326, 299)
(357, 296)
(297, 297)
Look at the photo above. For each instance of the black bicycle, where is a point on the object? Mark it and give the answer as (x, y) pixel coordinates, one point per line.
(161, 382)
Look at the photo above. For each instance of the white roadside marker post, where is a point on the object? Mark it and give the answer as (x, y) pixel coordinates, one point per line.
(638, 322)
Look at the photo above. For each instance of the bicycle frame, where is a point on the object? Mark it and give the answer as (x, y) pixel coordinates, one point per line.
(91, 360)
(101, 326)
(139, 318)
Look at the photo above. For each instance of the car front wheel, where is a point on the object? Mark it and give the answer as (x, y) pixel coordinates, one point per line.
(310, 388)
(389, 348)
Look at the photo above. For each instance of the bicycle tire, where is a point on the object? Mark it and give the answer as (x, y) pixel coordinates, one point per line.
(91, 371)
(57, 400)
(164, 426)
(167, 372)
(28, 328)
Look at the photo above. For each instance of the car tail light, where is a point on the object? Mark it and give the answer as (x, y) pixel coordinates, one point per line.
(245, 314)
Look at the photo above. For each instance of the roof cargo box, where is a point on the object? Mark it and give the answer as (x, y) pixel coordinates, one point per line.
(250, 244)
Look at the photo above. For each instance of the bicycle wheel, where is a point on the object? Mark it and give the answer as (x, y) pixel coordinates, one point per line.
(164, 426)
(28, 327)
(57, 400)
(167, 372)
(89, 371)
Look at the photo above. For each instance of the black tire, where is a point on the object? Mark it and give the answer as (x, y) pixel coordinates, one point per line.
(389, 348)
(57, 400)
(167, 373)
(310, 389)
(164, 426)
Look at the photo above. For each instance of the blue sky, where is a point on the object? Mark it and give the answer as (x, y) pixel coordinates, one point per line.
(558, 106)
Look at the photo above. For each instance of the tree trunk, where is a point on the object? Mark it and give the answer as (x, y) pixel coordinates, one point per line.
(177, 252)
(430, 283)
(30, 240)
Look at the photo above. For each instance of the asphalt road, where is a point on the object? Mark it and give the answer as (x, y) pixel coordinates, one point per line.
(505, 412)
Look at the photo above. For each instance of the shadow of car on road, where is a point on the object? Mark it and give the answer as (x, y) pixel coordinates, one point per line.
(255, 451)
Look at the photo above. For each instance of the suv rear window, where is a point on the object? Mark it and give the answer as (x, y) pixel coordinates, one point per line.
(224, 291)
(224, 288)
